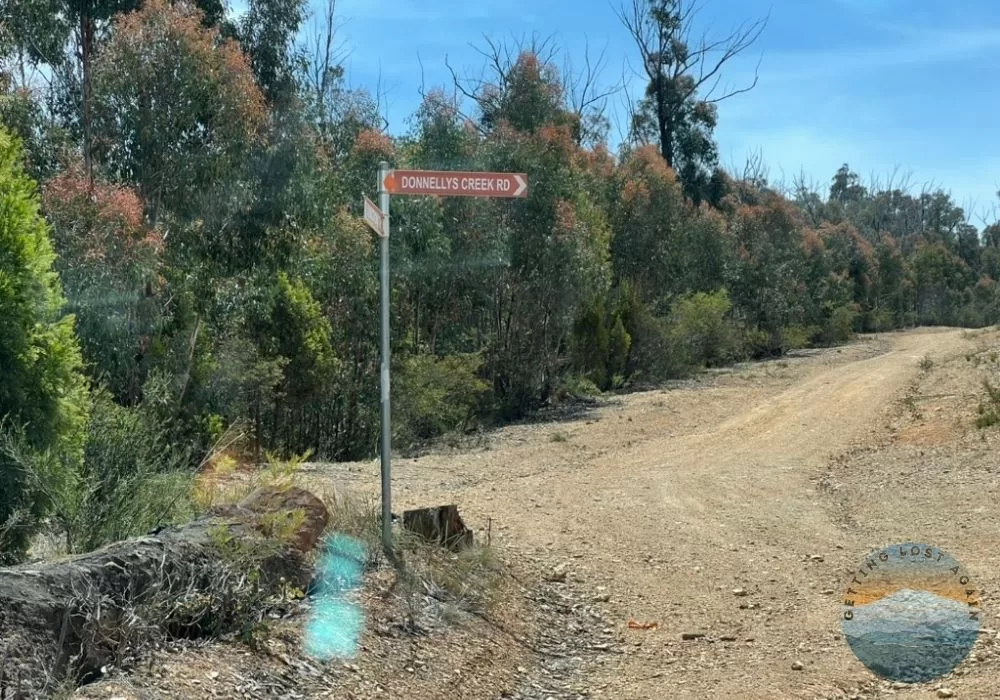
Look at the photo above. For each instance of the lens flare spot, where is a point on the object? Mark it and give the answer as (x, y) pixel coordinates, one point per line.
(336, 623)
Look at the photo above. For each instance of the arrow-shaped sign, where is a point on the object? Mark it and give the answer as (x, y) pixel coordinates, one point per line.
(375, 218)
(456, 183)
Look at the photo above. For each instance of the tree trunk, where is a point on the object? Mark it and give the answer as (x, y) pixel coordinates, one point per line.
(665, 122)
(86, 53)
(64, 620)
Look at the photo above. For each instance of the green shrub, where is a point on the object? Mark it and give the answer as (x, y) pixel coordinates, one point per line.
(43, 394)
(132, 478)
(434, 396)
(619, 344)
(654, 355)
(757, 342)
(841, 324)
(793, 337)
(882, 321)
(989, 406)
(579, 387)
(600, 345)
(591, 342)
(702, 330)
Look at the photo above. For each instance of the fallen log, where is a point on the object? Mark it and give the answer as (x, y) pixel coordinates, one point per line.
(62, 621)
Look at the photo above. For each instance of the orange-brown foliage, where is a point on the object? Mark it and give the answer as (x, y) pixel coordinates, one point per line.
(635, 192)
(372, 143)
(102, 215)
(598, 162)
(565, 219)
(649, 161)
(557, 138)
(529, 65)
(220, 61)
(812, 242)
(644, 172)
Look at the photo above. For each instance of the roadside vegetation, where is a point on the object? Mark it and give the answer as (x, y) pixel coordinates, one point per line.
(188, 288)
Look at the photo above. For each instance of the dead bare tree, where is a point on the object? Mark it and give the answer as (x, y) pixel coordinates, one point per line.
(326, 57)
(807, 196)
(990, 215)
(755, 170)
(680, 66)
(586, 96)
(494, 80)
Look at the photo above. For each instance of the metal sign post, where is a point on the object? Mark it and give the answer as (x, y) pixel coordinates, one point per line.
(383, 200)
(435, 183)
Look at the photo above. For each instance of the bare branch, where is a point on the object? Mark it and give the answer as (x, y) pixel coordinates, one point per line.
(380, 108)
(755, 170)
(681, 67)
(459, 89)
(587, 99)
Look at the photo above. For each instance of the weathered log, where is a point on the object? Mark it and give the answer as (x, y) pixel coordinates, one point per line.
(63, 620)
(440, 524)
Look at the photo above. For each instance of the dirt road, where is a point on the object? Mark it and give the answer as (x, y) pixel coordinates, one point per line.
(732, 510)
(670, 500)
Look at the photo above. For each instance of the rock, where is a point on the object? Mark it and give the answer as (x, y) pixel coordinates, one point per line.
(288, 502)
(797, 666)
(602, 598)
(557, 574)
(739, 592)
(816, 557)
(945, 693)
(692, 635)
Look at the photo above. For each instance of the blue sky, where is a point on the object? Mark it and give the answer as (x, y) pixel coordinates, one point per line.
(880, 84)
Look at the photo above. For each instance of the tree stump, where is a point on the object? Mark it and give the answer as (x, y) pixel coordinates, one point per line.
(440, 524)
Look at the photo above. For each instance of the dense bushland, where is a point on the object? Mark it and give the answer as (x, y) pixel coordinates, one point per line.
(192, 185)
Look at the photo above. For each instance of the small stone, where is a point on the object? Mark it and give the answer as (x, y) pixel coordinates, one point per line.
(557, 575)
(212, 675)
(739, 592)
(602, 597)
(828, 591)
(727, 638)
(692, 635)
(945, 693)
(817, 557)
(797, 666)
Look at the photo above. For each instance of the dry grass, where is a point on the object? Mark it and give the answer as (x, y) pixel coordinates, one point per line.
(457, 582)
